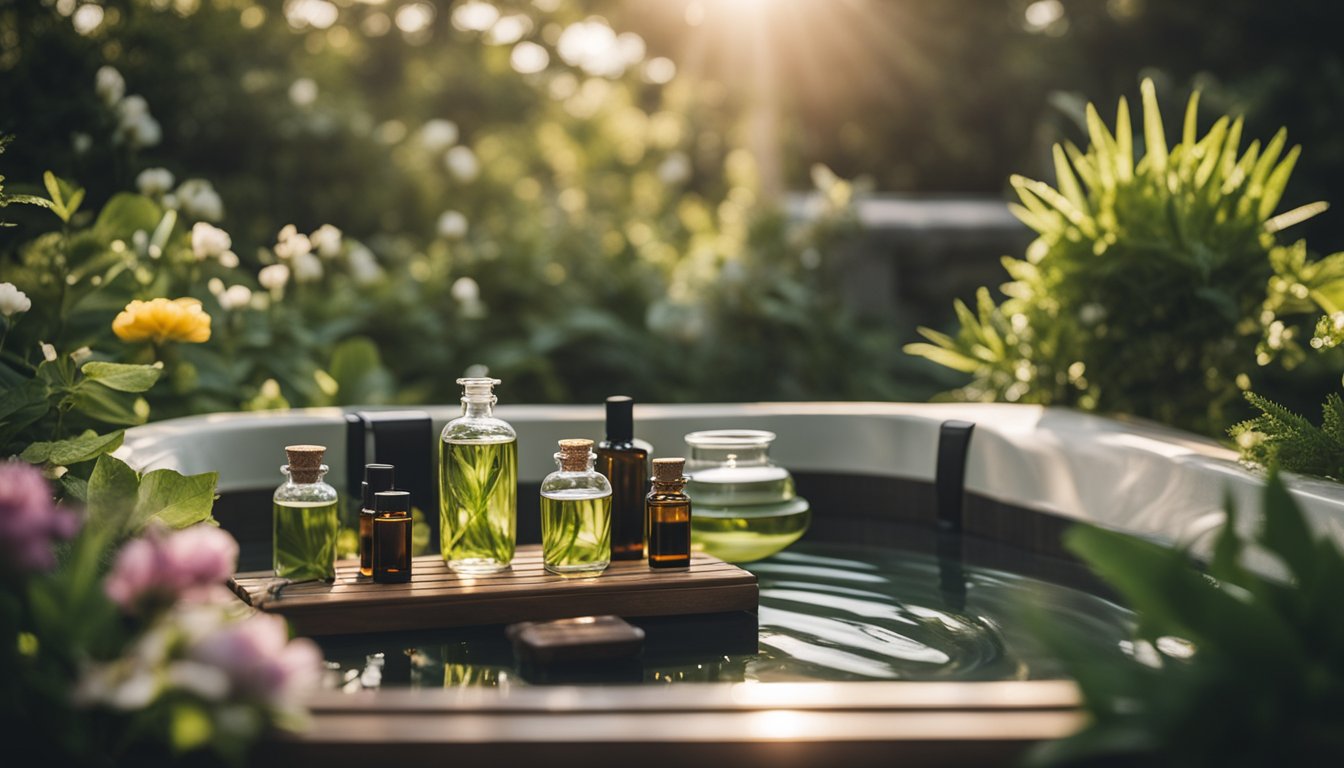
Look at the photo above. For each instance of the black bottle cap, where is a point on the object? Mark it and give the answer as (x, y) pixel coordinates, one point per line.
(392, 501)
(377, 478)
(620, 419)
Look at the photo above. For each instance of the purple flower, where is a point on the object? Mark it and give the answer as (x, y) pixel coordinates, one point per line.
(30, 521)
(161, 567)
(260, 659)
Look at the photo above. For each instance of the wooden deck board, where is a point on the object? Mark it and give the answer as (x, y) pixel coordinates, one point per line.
(436, 597)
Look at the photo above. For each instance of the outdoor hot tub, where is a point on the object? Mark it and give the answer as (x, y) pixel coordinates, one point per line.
(896, 630)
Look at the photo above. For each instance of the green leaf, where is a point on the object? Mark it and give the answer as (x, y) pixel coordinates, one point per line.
(1154, 136)
(1277, 183)
(54, 189)
(74, 450)
(125, 214)
(1296, 216)
(944, 357)
(111, 495)
(1285, 531)
(104, 404)
(122, 377)
(359, 373)
(175, 499)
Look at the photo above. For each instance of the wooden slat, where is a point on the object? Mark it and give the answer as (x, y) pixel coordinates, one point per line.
(437, 597)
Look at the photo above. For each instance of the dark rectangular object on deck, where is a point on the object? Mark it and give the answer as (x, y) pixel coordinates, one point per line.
(436, 597)
(576, 640)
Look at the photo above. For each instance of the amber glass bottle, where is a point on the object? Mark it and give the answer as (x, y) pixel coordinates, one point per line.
(625, 463)
(392, 537)
(377, 478)
(669, 514)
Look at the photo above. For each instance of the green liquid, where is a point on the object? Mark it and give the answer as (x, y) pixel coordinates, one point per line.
(576, 532)
(744, 534)
(478, 504)
(305, 539)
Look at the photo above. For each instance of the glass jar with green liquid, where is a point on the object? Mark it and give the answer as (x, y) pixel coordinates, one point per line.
(478, 484)
(306, 518)
(575, 513)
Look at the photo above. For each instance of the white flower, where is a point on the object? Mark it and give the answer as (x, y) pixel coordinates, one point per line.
(452, 225)
(462, 163)
(236, 297)
(466, 290)
(81, 142)
(307, 268)
(327, 241)
(109, 85)
(675, 169)
(81, 354)
(215, 285)
(228, 260)
(274, 277)
(208, 241)
(198, 199)
(153, 182)
(290, 244)
(13, 301)
(135, 125)
(48, 351)
(363, 265)
(438, 135)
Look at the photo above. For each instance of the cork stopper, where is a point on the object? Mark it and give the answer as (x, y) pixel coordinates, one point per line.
(305, 462)
(574, 455)
(668, 470)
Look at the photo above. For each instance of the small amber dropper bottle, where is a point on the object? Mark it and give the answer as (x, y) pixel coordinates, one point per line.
(377, 478)
(668, 510)
(392, 537)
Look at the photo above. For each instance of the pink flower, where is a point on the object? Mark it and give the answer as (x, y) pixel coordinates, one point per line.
(261, 660)
(30, 521)
(163, 567)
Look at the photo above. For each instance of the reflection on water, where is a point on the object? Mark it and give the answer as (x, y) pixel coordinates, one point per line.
(827, 612)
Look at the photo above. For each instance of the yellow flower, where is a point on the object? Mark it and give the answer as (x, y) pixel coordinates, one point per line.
(162, 320)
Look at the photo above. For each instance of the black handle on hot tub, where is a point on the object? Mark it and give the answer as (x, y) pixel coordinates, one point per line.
(949, 480)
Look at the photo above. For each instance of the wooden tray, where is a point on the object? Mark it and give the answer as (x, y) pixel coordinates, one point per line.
(437, 597)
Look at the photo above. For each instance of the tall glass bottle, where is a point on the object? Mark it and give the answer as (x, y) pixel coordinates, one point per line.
(625, 464)
(575, 514)
(478, 484)
(669, 515)
(306, 518)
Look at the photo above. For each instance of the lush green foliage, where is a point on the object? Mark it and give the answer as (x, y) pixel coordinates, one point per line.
(1154, 288)
(1280, 437)
(1229, 666)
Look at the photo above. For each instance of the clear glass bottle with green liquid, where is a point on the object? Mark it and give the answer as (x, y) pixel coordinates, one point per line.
(575, 513)
(478, 484)
(306, 518)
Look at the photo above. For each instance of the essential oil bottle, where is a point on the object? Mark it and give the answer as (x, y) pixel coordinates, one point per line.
(377, 478)
(668, 509)
(478, 484)
(625, 464)
(575, 514)
(392, 537)
(306, 518)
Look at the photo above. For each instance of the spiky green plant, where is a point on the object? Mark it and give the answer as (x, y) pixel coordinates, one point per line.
(1147, 290)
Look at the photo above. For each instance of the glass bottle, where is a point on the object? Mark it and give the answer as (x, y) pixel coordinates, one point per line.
(392, 537)
(745, 505)
(625, 464)
(478, 484)
(575, 513)
(306, 518)
(669, 514)
(377, 478)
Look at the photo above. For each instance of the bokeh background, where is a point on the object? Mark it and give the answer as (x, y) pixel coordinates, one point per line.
(686, 200)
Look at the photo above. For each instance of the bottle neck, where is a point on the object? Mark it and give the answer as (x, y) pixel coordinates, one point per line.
(479, 408)
(303, 477)
(669, 486)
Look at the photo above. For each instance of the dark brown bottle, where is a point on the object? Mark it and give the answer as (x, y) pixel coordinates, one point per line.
(668, 509)
(626, 466)
(392, 537)
(377, 478)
